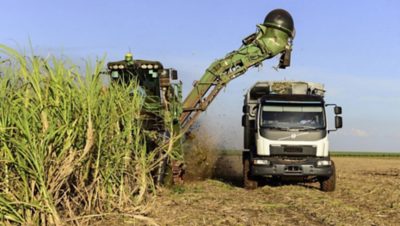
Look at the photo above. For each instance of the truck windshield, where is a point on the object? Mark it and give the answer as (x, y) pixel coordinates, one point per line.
(292, 117)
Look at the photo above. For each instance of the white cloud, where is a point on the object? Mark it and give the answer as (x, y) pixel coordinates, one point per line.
(359, 132)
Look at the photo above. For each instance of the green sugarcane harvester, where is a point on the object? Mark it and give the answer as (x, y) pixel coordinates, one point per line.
(164, 92)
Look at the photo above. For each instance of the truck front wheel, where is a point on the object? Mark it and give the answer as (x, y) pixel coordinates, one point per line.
(248, 181)
(329, 184)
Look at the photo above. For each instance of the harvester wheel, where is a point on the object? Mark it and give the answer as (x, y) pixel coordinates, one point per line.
(329, 184)
(178, 170)
(248, 181)
(162, 172)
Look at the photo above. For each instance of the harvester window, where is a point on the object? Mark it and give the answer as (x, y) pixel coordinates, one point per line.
(114, 74)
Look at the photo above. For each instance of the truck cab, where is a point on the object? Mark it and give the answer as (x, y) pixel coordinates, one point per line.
(286, 134)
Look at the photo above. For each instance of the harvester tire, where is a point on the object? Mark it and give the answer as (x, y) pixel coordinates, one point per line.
(162, 172)
(248, 181)
(329, 184)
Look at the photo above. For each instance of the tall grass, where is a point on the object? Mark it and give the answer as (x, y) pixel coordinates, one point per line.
(69, 147)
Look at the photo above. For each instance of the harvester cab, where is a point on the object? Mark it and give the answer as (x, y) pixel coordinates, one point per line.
(162, 94)
(150, 75)
(159, 85)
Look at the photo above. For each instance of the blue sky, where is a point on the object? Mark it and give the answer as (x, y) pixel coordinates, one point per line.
(350, 46)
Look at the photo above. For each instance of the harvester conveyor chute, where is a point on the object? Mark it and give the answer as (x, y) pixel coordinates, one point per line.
(273, 37)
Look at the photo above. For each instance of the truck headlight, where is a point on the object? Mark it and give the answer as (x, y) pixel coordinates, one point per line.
(260, 162)
(324, 163)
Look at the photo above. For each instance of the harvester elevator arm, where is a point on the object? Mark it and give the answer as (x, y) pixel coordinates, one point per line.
(273, 37)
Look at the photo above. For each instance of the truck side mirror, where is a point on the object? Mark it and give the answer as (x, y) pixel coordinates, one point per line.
(338, 110)
(338, 122)
(244, 120)
(174, 74)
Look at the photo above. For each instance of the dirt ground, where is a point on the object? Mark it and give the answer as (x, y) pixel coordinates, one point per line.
(367, 193)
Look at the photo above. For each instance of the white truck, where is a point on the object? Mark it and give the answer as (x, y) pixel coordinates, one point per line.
(286, 134)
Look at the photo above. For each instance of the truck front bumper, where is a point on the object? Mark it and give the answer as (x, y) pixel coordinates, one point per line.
(274, 167)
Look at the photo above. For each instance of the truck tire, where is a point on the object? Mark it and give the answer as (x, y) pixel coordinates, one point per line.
(248, 181)
(329, 184)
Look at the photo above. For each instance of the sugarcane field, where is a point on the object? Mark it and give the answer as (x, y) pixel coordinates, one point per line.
(199, 113)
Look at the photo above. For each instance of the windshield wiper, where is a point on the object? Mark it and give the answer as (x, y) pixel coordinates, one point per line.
(302, 128)
(277, 128)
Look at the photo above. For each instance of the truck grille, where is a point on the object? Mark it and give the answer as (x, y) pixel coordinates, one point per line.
(293, 169)
(293, 150)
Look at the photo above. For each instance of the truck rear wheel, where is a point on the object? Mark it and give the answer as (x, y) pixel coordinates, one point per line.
(329, 184)
(249, 182)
